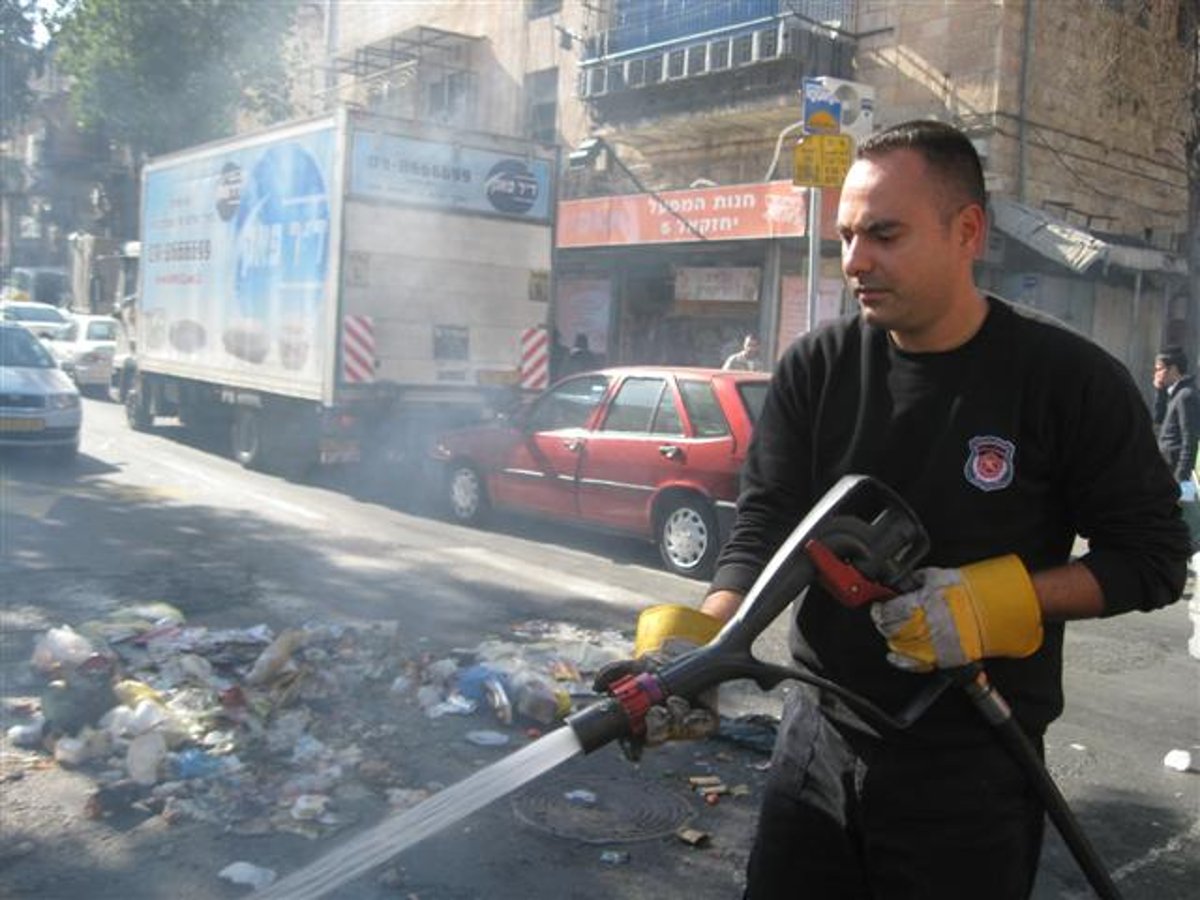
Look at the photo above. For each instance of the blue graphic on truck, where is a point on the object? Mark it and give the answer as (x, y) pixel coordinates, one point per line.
(281, 258)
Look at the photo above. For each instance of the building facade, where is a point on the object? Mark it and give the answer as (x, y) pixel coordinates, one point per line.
(678, 227)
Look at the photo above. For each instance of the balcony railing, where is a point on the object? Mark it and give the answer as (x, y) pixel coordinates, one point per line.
(641, 25)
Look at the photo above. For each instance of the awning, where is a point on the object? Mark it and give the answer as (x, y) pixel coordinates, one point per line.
(1074, 247)
(1053, 238)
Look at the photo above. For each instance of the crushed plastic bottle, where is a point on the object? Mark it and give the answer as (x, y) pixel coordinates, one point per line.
(539, 698)
(248, 874)
(145, 754)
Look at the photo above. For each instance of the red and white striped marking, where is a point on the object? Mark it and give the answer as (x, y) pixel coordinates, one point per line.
(535, 358)
(358, 349)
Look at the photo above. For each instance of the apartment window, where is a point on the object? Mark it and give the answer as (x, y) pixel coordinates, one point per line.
(537, 8)
(448, 99)
(541, 92)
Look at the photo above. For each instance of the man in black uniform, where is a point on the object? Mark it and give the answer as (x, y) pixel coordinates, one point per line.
(1009, 435)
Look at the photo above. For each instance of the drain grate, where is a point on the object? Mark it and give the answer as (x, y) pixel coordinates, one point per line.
(624, 810)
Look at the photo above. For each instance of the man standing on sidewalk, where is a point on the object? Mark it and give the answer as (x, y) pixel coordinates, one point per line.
(1179, 430)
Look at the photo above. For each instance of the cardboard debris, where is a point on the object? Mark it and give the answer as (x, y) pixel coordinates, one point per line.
(693, 837)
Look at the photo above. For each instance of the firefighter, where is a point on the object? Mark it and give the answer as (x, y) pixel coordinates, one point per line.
(1009, 435)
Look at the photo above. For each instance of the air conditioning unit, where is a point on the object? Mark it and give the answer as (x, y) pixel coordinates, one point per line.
(858, 106)
(616, 78)
(676, 64)
(635, 72)
(767, 44)
(718, 55)
(597, 82)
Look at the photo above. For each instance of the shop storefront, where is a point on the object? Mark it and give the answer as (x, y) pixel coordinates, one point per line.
(681, 278)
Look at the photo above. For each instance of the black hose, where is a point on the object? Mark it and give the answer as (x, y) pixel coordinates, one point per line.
(998, 714)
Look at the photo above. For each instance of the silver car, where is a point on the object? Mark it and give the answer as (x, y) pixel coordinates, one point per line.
(42, 319)
(39, 404)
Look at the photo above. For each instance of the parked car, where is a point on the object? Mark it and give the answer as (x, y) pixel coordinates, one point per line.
(647, 451)
(84, 348)
(39, 406)
(42, 319)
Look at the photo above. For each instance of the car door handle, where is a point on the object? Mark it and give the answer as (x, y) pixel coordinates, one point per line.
(670, 451)
(573, 444)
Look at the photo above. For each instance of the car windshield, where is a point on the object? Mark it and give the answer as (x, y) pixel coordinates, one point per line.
(102, 331)
(21, 350)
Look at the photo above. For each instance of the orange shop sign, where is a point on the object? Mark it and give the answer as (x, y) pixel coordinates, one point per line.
(738, 212)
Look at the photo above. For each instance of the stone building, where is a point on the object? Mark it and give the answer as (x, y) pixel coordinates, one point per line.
(679, 227)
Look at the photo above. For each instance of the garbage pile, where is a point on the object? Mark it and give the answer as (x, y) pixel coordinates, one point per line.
(263, 732)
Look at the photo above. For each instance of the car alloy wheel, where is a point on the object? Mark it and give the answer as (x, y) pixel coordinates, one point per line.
(465, 495)
(688, 537)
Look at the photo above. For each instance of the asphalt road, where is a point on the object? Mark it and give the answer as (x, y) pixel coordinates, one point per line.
(157, 517)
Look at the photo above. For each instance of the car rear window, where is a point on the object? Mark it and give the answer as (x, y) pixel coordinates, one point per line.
(35, 314)
(21, 350)
(703, 409)
(102, 331)
(754, 395)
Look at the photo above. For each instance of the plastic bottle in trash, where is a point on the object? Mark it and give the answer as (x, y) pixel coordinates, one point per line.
(539, 698)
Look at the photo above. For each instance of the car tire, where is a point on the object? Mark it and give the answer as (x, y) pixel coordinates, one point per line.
(466, 496)
(686, 533)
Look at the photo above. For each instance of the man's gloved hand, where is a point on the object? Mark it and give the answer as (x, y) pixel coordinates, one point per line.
(664, 632)
(958, 616)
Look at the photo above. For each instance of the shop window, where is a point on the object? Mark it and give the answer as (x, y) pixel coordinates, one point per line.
(703, 409)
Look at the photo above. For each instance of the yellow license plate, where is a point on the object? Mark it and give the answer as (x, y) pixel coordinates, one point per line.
(21, 424)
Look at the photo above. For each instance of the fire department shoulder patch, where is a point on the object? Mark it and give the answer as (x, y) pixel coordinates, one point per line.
(990, 463)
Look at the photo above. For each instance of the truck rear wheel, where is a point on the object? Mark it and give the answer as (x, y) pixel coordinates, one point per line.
(138, 413)
(247, 438)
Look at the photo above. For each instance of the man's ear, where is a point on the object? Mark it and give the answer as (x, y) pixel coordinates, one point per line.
(971, 225)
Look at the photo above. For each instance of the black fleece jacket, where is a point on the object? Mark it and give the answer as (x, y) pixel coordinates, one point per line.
(1013, 443)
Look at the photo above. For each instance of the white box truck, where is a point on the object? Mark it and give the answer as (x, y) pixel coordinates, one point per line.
(338, 288)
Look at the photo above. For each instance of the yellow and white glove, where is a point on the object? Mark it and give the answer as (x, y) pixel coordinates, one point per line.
(664, 632)
(959, 616)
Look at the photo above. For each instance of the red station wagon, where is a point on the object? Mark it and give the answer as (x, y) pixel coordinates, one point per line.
(649, 451)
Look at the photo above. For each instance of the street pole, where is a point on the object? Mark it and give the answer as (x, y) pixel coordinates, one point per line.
(814, 253)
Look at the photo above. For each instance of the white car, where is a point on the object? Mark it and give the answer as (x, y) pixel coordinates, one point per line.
(84, 348)
(39, 405)
(42, 319)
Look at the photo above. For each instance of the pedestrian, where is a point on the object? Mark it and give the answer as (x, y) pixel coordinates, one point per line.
(747, 359)
(558, 357)
(581, 358)
(1003, 472)
(1179, 430)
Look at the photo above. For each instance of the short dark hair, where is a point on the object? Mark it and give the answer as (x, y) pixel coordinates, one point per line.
(947, 151)
(1174, 356)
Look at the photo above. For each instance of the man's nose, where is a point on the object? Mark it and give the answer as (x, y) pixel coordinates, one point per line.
(855, 259)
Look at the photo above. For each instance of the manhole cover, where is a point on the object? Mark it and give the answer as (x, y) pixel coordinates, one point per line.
(599, 810)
